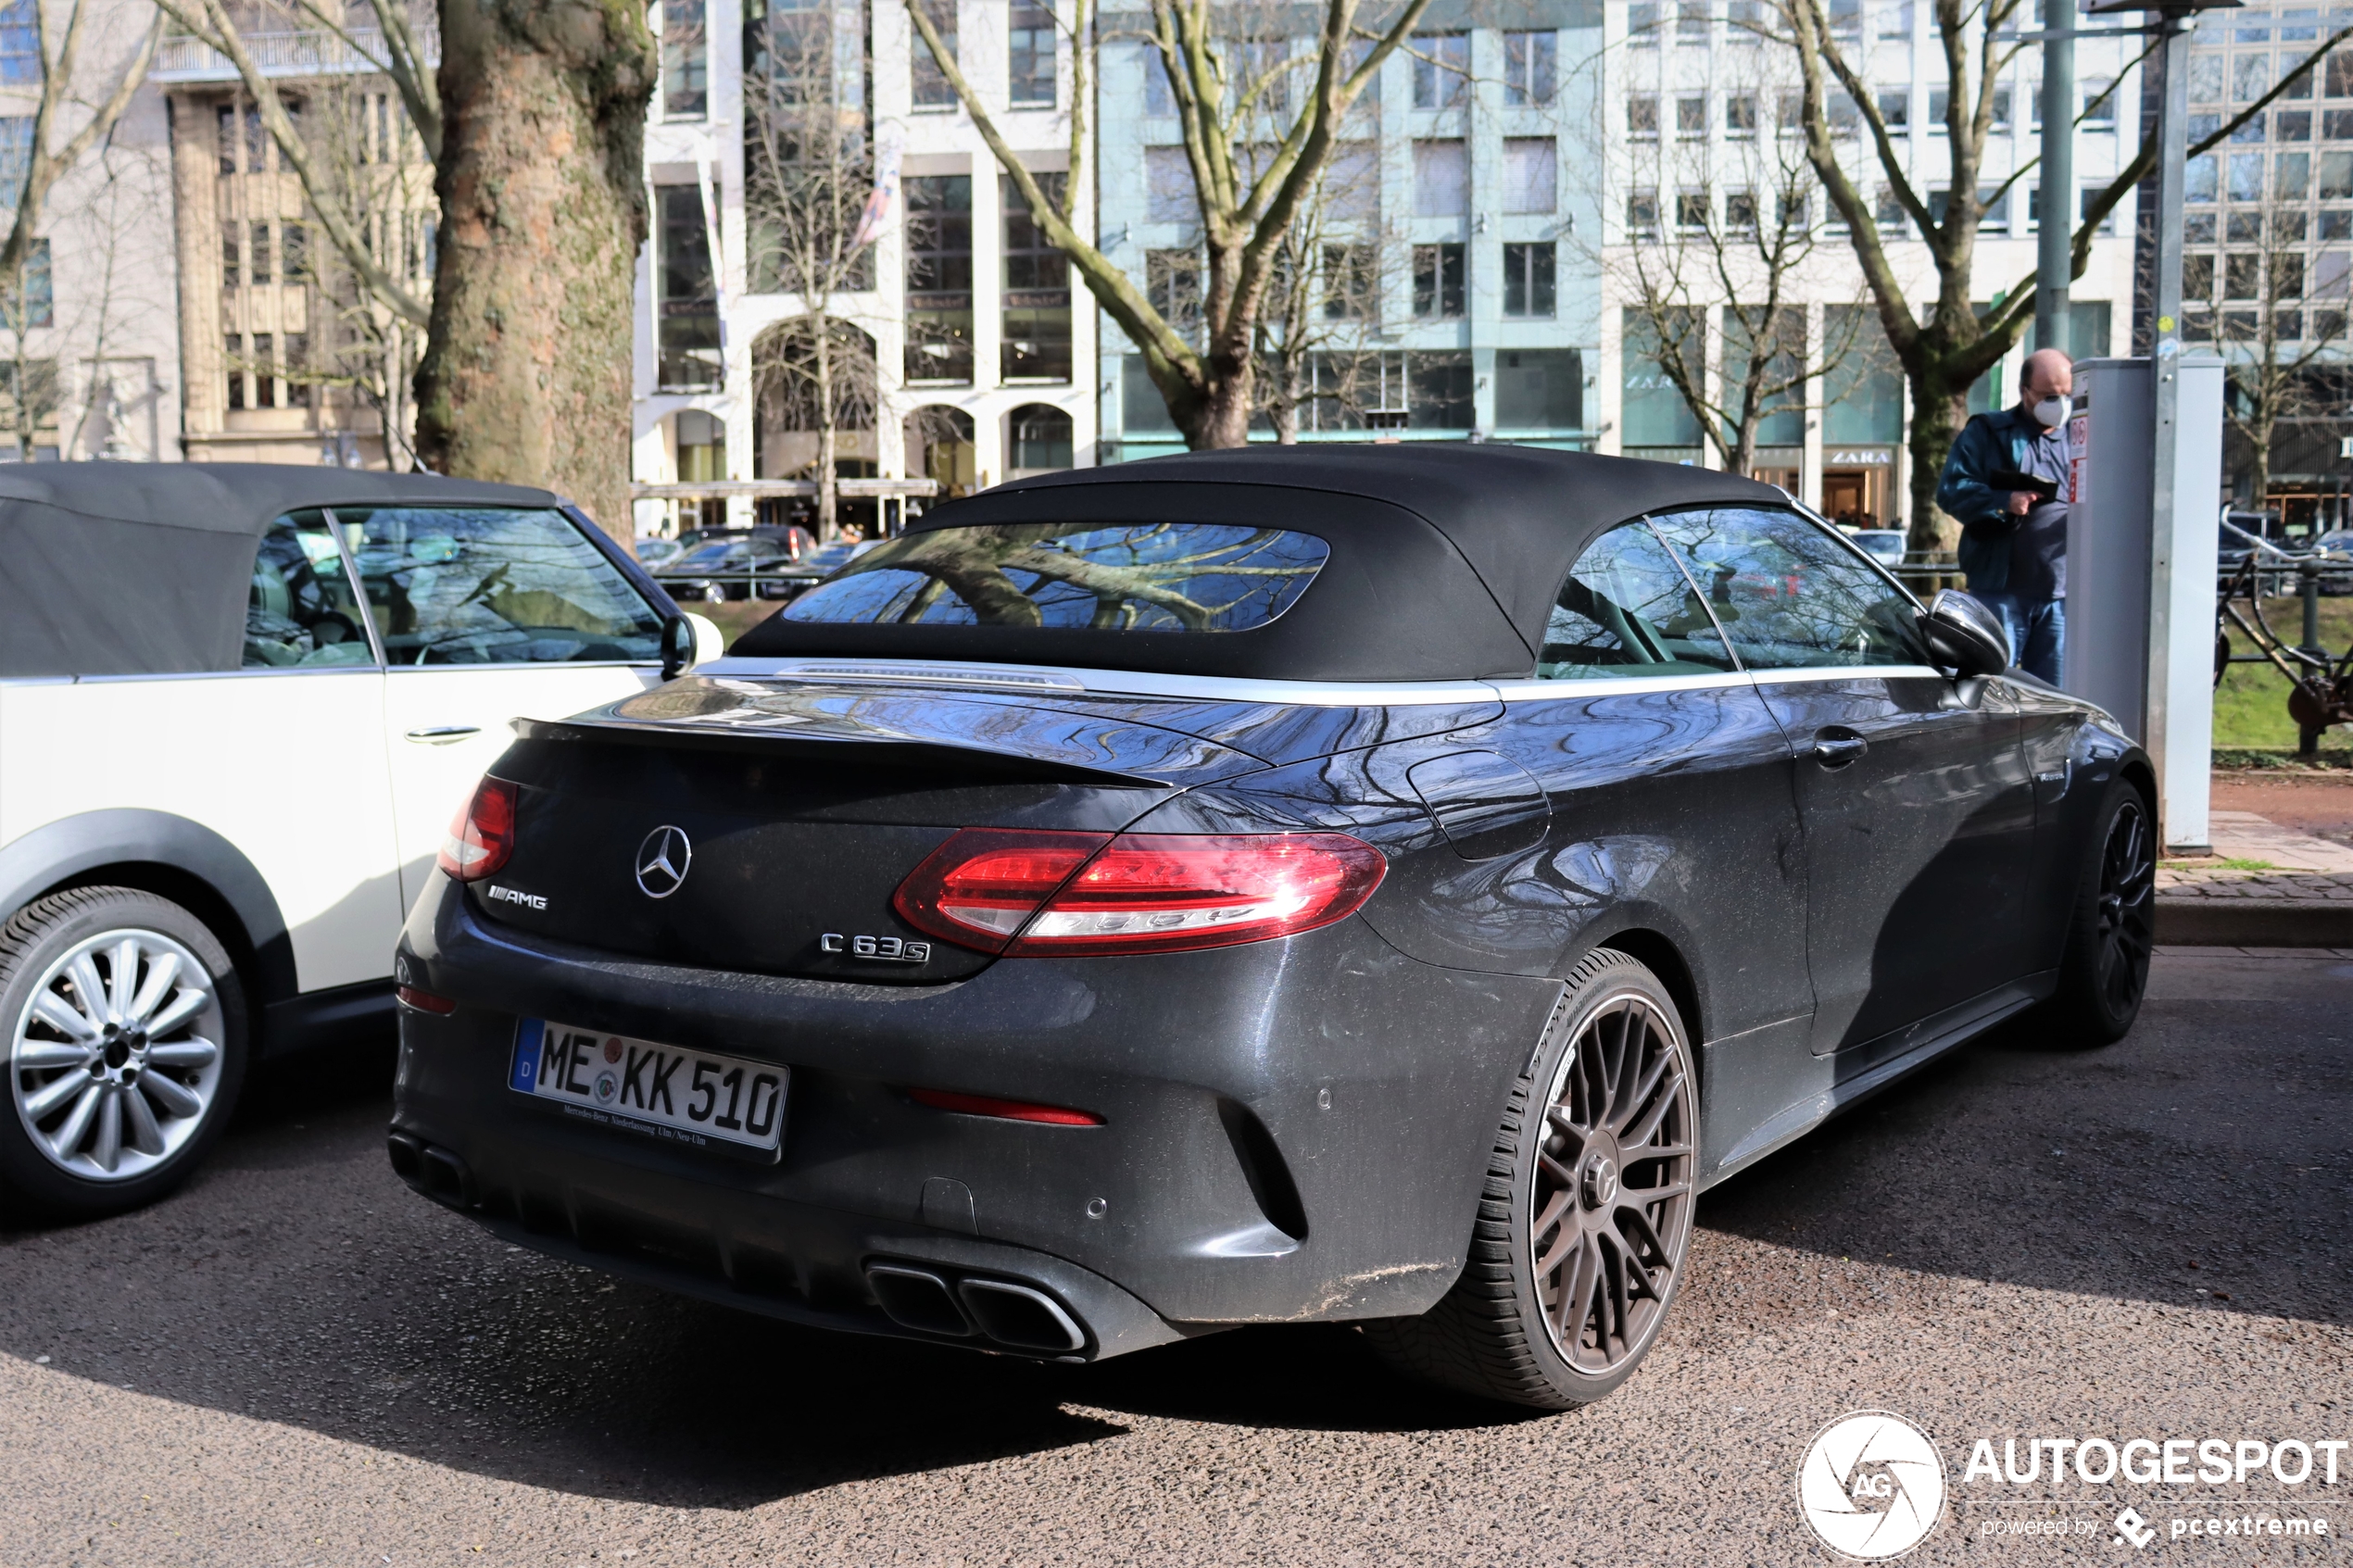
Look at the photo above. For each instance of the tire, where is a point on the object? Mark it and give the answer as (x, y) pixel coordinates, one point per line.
(159, 1103)
(1559, 1194)
(2104, 971)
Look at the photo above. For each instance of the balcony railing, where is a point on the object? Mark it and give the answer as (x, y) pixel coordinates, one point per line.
(314, 53)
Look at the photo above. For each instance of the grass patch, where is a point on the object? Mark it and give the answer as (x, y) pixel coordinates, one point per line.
(2219, 863)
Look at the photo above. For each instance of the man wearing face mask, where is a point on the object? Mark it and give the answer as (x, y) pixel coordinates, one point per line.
(2008, 481)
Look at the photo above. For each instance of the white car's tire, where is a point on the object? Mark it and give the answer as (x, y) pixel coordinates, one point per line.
(122, 1036)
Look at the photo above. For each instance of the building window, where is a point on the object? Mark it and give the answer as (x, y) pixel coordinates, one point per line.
(20, 42)
(1438, 282)
(1895, 112)
(225, 136)
(258, 140)
(1037, 298)
(1540, 389)
(1528, 281)
(31, 300)
(265, 379)
(1740, 115)
(1042, 440)
(1530, 63)
(686, 294)
(234, 356)
(1690, 22)
(297, 363)
(1029, 65)
(1173, 281)
(1895, 20)
(1531, 174)
(1691, 212)
(931, 89)
(1641, 23)
(1641, 116)
(1441, 70)
(686, 61)
(2100, 103)
(1441, 179)
(1351, 282)
(15, 154)
(258, 244)
(939, 279)
(1642, 212)
(1691, 117)
(233, 272)
(1168, 186)
(1740, 212)
(294, 254)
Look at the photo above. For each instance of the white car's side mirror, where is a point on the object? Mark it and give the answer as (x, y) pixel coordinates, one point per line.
(709, 641)
(689, 639)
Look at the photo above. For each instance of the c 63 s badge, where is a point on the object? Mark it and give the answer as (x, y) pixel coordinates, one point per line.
(878, 950)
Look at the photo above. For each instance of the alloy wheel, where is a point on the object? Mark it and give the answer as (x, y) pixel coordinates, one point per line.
(116, 1062)
(2126, 928)
(1613, 1196)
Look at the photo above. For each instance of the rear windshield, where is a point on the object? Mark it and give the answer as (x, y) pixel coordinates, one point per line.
(1128, 577)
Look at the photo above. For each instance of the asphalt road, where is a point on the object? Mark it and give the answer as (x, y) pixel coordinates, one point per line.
(298, 1361)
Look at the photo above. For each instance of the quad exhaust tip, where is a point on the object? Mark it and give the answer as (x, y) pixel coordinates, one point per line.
(1017, 1316)
(432, 1170)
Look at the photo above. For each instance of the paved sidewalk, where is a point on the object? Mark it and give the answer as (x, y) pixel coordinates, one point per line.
(2306, 900)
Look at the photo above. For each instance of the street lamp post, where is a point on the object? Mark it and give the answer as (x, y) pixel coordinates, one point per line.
(2054, 257)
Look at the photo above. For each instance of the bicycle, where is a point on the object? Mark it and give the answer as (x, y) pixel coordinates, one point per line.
(2321, 685)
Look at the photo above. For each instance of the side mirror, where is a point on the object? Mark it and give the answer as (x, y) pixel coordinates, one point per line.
(678, 647)
(1963, 635)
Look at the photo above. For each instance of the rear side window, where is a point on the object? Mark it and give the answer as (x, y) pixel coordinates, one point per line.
(1628, 611)
(300, 612)
(1127, 577)
(1789, 595)
(493, 585)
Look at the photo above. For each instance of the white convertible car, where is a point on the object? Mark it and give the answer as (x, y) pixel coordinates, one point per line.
(239, 706)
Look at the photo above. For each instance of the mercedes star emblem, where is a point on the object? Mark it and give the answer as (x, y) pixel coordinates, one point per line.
(662, 861)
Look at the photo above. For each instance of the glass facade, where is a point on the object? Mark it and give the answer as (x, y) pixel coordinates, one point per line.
(939, 279)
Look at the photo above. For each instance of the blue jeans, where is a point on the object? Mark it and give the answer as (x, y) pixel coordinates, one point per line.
(2038, 632)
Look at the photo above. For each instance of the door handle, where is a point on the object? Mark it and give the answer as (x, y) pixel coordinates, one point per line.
(442, 735)
(1836, 748)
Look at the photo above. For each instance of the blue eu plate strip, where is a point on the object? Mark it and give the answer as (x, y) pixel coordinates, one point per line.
(528, 1039)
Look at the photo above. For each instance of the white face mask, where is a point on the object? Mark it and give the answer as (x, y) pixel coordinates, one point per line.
(2051, 412)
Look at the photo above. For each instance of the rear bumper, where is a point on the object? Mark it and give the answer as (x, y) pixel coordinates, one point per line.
(1294, 1129)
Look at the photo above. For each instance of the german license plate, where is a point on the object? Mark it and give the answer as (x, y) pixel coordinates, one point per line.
(641, 1086)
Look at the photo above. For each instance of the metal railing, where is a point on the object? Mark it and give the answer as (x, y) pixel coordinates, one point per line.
(316, 52)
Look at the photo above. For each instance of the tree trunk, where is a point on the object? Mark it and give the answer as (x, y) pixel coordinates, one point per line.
(828, 500)
(527, 367)
(1936, 418)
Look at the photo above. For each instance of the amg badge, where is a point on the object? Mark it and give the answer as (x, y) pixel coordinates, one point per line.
(882, 950)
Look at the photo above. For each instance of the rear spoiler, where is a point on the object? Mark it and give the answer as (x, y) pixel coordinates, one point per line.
(976, 762)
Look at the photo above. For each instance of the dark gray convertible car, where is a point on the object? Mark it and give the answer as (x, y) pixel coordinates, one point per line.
(1384, 884)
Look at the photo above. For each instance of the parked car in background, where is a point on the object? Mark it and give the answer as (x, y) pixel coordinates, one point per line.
(2336, 577)
(1380, 885)
(818, 565)
(238, 707)
(653, 549)
(1884, 546)
(765, 563)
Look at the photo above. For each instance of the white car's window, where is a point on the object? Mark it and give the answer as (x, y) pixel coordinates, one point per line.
(493, 585)
(1791, 597)
(1626, 611)
(301, 612)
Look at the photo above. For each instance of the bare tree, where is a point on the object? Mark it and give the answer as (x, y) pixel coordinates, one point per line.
(2276, 339)
(69, 121)
(1248, 204)
(812, 208)
(1721, 270)
(1947, 348)
(1324, 295)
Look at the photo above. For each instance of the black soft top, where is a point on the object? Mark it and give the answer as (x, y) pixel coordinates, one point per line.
(143, 569)
(1445, 557)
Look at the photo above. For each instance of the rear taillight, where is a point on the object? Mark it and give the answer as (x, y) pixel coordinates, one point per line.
(1033, 893)
(482, 834)
(1005, 1110)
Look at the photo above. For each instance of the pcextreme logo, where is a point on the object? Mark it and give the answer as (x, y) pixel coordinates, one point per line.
(1871, 1486)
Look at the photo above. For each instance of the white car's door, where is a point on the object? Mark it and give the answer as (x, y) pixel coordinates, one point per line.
(284, 759)
(487, 614)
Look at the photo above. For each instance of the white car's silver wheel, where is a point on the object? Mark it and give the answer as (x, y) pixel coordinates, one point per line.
(115, 1056)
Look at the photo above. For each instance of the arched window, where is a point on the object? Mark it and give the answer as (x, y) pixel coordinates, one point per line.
(939, 446)
(1041, 440)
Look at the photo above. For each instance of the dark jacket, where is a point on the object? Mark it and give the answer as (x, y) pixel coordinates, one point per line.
(1987, 444)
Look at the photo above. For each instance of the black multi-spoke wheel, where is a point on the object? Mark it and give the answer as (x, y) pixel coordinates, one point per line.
(2113, 927)
(1586, 1218)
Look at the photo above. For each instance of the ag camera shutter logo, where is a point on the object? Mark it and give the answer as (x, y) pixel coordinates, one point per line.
(1871, 1486)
